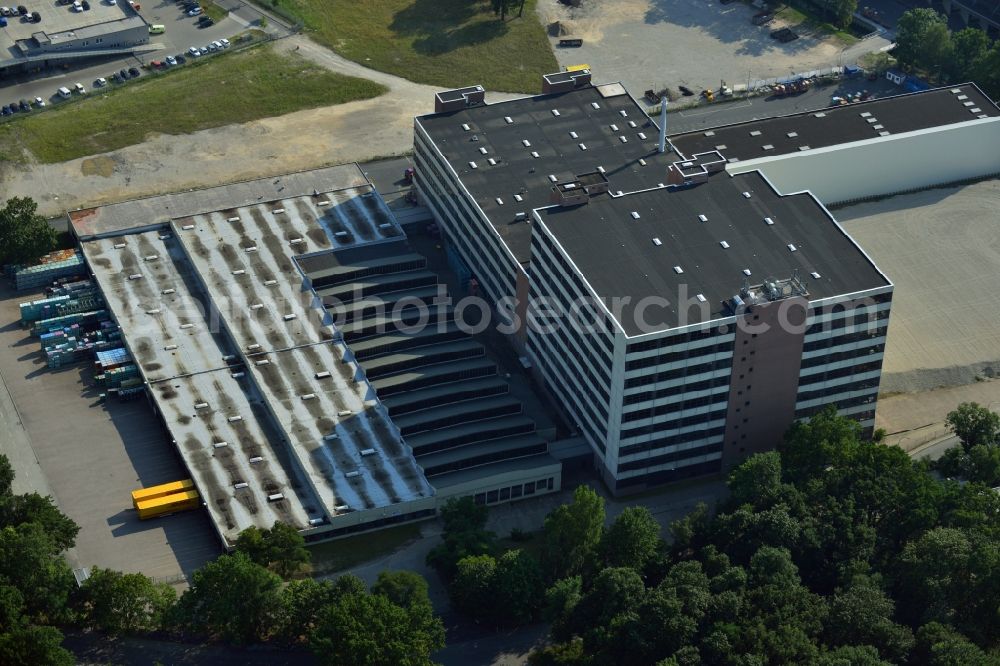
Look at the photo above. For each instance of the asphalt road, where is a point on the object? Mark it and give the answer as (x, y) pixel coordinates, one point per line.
(934, 450)
(182, 33)
(756, 108)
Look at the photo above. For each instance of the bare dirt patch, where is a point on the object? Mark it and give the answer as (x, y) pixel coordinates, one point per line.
(101, 165)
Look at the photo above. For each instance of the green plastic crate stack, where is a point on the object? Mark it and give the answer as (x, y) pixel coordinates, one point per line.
(46, 325)
(116, 377)
(52, 266)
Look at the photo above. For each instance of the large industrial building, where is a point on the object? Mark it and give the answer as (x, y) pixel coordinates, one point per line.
(63, 35)
(686, 298)
(257, 317)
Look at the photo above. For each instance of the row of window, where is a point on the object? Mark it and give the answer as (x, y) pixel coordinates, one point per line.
(855, 336)
(670, 475)
(567, 397)
(680, 339)
(644, 396)
(673, 407)
(672, 440)
(860, 385)
(839, 372)
(861, 316)
(670, 457)
(694, 419)
(836, 357)
(549, 253)
(515, 491)
(806, 412)
(677, 373)
(682, 355)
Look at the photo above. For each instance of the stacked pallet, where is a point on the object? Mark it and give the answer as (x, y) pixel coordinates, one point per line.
(165, 499)
(58, 264)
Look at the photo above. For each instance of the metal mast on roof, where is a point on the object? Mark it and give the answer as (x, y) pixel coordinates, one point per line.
(663, 124)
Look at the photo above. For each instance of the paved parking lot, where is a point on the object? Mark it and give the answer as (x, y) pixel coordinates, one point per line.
(652, 44)
(182, 33)
(92, 455)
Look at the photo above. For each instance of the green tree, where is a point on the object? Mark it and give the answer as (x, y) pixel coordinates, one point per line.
(301, 603)
(572, 534)
(6, 476)
(370, 630)
(852, 655)
(32, 645)
(473, 585)
(24, 235)
(233, 598)
(986, 71)
(465, 535)
(940, 645)
(518, 587)
(33, 508)
(502, 7)
(124, 603)
(969, 46)
(31, 563)
(281, 547)
(974, 424)
(923, 40)
(862, 615)
(560, 600)
(632, 540)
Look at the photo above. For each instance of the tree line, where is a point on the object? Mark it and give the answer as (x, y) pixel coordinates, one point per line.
(238, 598)
(831, 550)
(924, 43)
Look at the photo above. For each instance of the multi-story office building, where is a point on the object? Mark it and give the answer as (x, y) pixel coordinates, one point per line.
(687, 297)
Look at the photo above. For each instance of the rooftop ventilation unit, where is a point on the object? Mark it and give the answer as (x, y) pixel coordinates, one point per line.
(187, 227)
(820, 115)
(186, 326)
(341, 508)
(623, 113)
(315, 521)
(583, 146)
(353, 475)
(555, 112)
(472, 165)
(518, 198)
(167, 291)
(703, 218)
(322, 374)
(256, 459)
(614, 128)
(635, 215)
(623, 138)
(521, 216)
(119, 246)
(642, 162)
(239, 271)
(724, 244)
(746, 271)
(262, 361)
(234, 419)
(865, 114)
(253, 347)
(815, 275)
(792, 135)
(240, 485)
(151, 257)
(508, 120)
(290, 316)
(220, 445)
(367, 452)
(574, 135)
(768, 221)
(256, 306)
(499, 201)
(553, 179)
(632, 124)
(233, 219)
(135, 276)
(154, 311)
(791, 247)
(465, 126)
(324, 202)
(201, 405)
(767, 146)
(595, 105)
(642, 135)
(252, 248)
(309, 396)
(237, 375)
(526, 143)
(657, 242)
(296, 241)
(534, 154)
(701, 298)
(332, 436)
(170, 347)
(277, 211)
(276, 497)
(721, 146)
(165, 236)
(804, 148)
(491, 161)
(678, 270)
(345, 412)
(710, 133)
(746, 195)
(755, 133)
(601, 169)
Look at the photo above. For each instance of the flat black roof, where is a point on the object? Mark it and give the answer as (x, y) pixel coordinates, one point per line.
(617, 254)
(841, 124)
(534, 119)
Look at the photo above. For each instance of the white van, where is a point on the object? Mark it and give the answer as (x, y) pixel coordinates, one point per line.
(64, 92)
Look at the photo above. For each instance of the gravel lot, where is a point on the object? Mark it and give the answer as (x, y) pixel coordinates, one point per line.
(941, 248)
(696, 43)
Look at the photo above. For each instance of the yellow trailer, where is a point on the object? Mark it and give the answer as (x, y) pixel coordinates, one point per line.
(577, 68)
(161, 490)
(158, 506)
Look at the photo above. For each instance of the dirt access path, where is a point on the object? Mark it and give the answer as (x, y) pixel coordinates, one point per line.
(356, 131)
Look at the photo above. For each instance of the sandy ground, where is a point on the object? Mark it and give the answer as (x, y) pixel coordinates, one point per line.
(356, 131)
(659, 43)
(941, 248)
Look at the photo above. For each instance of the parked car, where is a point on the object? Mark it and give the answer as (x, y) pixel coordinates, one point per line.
(22, 10)
(218, 45)
(134, 72)
(123, 73)
(24, 105)
(205, 21)
(100, 82)
(156, 63)
(116, 77)
(225, 43)
(194, 51)
(180, 59)
(4, 11)
(86, 5)
(211, 48)
(5, 110)
(39, 102)
(36, 17)
(194, 12)
(64, 92)
(171, 61)
(78, 87)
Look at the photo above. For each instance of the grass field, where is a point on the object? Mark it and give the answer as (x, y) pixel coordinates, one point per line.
(236, 87)
(213, 10)
(449, 43)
